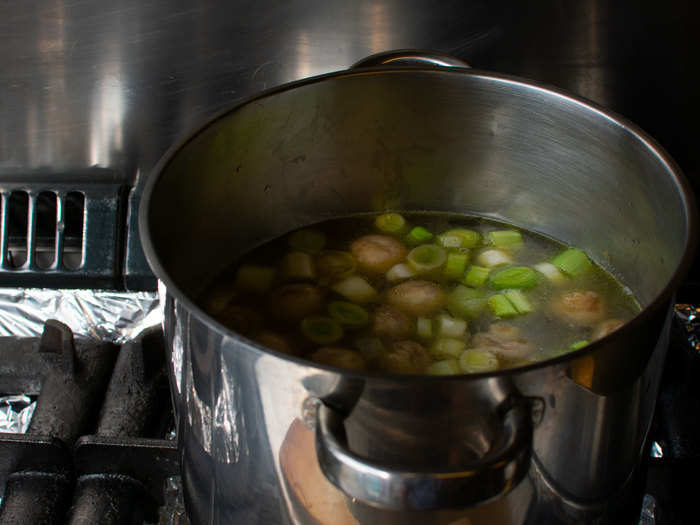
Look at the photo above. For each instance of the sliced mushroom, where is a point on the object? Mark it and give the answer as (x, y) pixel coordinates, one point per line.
(505, 341)
(375, 254)
(289, 304)
(417, 298)
(391, 323)
(579, 308)
(405, 357)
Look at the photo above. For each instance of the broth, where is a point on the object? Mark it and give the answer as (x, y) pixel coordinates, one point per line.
(418, 293)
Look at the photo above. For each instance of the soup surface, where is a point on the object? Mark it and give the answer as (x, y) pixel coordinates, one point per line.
(418, 293)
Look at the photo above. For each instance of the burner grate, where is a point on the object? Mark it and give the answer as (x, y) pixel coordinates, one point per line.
(90, 454)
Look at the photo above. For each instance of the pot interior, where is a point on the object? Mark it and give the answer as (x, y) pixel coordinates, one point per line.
(455, 141)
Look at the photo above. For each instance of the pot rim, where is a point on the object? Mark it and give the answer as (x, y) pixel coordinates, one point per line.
(659, 302)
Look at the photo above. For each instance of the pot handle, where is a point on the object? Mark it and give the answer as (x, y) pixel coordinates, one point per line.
(410, 57)
(391, 487)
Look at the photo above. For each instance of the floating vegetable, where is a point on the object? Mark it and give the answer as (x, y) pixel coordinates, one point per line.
(418, 235)
(348, 314)
(321, 330)
(493, 258)
(513, 277)
(393, 223)
(356, 288)
(476, 360)
(426, 258)
(573, 262)
(375, 254)
(446, 367)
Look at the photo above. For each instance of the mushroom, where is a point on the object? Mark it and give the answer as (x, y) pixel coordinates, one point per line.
(340, 357)
(391, 323)
(505, 341)
(291, 303)
(375, 254)
(405, 357)
(417, 298)
(579, 308)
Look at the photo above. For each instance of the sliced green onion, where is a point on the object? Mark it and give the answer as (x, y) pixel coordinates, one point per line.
(446, 367)
(254, 279)
(447, 326)
(551, 272)
(513, 277)
(455, 265)
(426, 258)
(321, 330)
(449, 241)
(579, 344)
(334, 264)
(476, 276)
(501, 306)
(298, 266)
(477, 360)
(424, 328)
(573, 262)
(390, 223)
(519, 301)
(348, 314)
(493, 258)
(447, 348)
(418, 235)
(310, 241)
(356, 289)
(466, 303)
(469, 238)
(505, 238)
(399, 272)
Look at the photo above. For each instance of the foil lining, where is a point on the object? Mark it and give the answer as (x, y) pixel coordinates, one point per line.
(103, 315)
(648, 514)
(173, 510)
(16, 413)
(689, 315)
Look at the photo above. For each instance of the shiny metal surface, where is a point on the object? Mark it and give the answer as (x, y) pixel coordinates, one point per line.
(93, 258)
(481, 143)
(101, 315)
(410, 57)
(113, 84)
(490, 473)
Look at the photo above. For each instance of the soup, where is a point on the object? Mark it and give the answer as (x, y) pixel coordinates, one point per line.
(419, 293)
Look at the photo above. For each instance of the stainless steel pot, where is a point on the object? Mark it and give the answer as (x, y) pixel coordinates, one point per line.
(268, 438)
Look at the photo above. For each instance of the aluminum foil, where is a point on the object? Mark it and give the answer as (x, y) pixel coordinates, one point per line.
(16, 413)
(648, 514)
(689, 315)
(96, 314)
(173, 510)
